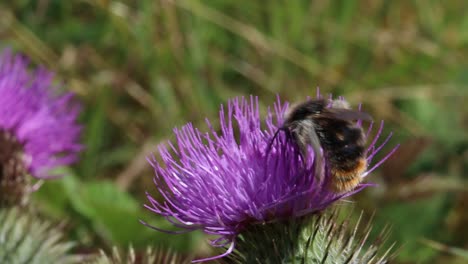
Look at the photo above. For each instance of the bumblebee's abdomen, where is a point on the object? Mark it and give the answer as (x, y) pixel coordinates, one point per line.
(344, 146)
(347, 178)
(345, 157)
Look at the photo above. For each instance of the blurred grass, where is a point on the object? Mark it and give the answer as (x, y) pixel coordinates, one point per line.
(143, 67)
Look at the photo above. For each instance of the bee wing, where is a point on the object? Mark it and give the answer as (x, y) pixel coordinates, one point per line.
(346, 114)
(318, 157)
(307, 136)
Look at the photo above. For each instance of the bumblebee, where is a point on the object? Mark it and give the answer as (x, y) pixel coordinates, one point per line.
(330, 126)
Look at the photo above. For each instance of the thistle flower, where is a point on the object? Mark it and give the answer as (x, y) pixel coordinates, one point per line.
(245, 175)
(38, 129)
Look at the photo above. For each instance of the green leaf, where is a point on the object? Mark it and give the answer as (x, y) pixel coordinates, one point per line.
(54, 196)
(111, 213)
(114, 213)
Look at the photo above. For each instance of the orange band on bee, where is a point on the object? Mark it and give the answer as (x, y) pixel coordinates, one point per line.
(357, 170)
(340, 186)
(346, 180)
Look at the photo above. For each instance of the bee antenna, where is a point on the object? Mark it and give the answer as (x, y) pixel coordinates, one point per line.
(283, 128)
(288, 133)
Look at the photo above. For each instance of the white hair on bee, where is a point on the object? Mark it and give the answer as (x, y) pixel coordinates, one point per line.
(341, 104)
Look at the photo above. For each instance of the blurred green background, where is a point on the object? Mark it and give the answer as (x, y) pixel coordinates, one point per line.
(143, 67)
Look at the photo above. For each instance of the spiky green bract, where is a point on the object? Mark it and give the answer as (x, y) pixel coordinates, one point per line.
(27, 239)
(269, 243)
(309, 240)
(149, 256)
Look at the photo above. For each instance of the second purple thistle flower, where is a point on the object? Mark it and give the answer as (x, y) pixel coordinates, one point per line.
(222, 182)
(39, 131)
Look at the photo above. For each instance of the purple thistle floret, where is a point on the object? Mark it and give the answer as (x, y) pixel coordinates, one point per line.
(36, 116)
(222, 182)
